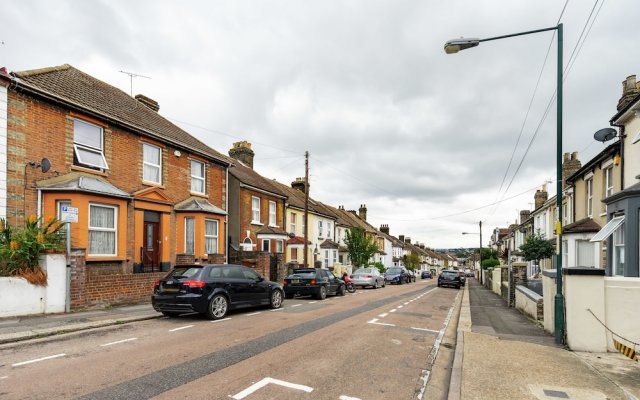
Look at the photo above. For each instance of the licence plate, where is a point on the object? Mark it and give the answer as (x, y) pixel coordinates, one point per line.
(169, 290)
(295, 281)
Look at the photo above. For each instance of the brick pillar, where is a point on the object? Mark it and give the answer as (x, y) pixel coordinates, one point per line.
(78, 264)
(518, 277)
(264, 263)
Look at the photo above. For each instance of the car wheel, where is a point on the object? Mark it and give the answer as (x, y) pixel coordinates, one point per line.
(275, 301)
(342, 291)
(218, 307)
(384, 283)
(399, 281)
(289, 295)
(170, 314)
(322, 293)
(375, 284)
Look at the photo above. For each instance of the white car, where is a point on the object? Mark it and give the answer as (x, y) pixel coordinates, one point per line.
(368, 276)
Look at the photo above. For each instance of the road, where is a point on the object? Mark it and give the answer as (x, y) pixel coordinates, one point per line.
(374, 344)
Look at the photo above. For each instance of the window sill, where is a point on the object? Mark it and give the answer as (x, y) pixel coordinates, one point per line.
(89, 170)
(257, 223)
(153, 184)
(274, 226)
(199, 194)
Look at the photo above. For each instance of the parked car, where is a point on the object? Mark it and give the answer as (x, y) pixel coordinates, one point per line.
(369, 276)
(449, 278)
(397, 275)
(468, 273)
(317, 282)
(412, 275)
(213, 290)
(426, 275)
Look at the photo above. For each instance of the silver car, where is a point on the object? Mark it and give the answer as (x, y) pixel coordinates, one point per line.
(369, 276)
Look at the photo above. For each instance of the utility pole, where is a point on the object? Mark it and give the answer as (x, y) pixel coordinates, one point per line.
(306, 208)
(480, 272)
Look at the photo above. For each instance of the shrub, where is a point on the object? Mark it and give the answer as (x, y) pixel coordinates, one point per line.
(380, 266)
(20, 250)
(490, 263)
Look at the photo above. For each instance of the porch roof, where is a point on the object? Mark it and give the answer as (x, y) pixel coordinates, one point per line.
(80, 182)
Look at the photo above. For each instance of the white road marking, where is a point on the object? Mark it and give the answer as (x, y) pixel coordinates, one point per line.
(406, 303)
(118, 342)
(277, 309)
(181, 328)
(424, 329)
(312, 302)
(223, 319)
(296, 305)
(394, 310)
(38, 359)
(255, 313)
(400, 306)
(375, 322)
(343, 397)
(264, 382)
(383, 315)
(3, 377)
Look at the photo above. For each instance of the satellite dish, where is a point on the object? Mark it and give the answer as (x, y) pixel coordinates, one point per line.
(604, 135)
(45, 164)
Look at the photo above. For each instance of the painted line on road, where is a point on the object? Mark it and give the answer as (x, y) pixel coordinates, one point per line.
(118, 342)
(264, 382)
(343, 397)
(400, 307)
(312, 302)
(394, 310)
(181, 328)
(296, 305)
(38, 359)
(255, 313)
(4, 377)
(375, 322)
(425, 329)
(383, 315)
(277, 309)
(223, 319)
(406, 303)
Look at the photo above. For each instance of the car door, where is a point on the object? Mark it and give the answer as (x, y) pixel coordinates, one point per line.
(257, 291)
(334, 282)
(235, 284)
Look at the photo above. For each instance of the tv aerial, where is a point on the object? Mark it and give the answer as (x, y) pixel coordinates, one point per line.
(131, 76)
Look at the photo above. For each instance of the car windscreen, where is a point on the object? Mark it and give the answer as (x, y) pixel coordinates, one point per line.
(303, 274)
(394, 271)
(184, 272)
(363, 271)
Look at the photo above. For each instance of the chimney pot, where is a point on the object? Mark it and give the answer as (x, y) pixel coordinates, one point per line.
(148, 102)
(362, 212)
(241, 151)
(299, 184)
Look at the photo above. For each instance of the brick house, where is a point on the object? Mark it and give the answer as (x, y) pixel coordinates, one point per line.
(146, 190)
(256, 206)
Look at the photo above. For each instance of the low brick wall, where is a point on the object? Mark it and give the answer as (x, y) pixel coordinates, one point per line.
(529, 303)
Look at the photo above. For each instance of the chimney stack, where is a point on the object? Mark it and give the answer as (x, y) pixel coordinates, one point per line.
(299, 184)
(630, 89)
(540, 197)
(241, 151)
(401, 238)
(362, 212)
(149, 102)
(407, 240)
(570, 165)
(524, 216)
(384, 228)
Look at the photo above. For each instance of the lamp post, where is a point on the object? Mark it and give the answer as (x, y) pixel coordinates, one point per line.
(480, 251)
(454, 46)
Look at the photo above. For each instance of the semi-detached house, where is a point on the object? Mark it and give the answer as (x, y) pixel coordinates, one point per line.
(146, 191)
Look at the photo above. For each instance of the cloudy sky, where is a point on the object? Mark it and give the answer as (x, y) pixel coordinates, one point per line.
(422, 138)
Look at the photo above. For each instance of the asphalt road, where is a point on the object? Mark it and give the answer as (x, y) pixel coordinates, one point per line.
(374, 344)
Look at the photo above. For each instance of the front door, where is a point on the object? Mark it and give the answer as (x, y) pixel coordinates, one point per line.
(151, 247)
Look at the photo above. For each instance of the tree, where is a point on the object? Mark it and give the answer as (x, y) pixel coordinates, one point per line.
(536, 248)
(360, 247)
(411, 261)
(489, 263)
(489, 253)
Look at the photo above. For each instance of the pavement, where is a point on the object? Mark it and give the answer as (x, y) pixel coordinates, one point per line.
(501, 354)
(16, 329)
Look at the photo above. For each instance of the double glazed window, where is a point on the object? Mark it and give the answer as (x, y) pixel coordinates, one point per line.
(255, 210)
(272, 213)
(589, 198)
(189, 235)
(292, 228)
(102, 230)
(608, 182)
(197, 177)
(319, 229)
(151, 163)
(618, 251)
(88, 145)
(210, 236)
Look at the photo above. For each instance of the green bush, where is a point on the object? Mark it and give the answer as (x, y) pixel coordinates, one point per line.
(380, 266)
(490, 263)
(20, 249)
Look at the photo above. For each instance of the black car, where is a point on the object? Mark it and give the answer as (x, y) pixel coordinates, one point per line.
(317, 282)
(213, 289)
(426, 275)
(449, 278)
(397, 275)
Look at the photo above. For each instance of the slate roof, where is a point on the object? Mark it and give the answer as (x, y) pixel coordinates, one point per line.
(80, 91)
(271, 230)
(329, 244)
(582, 226)
(297, 240)
(80, 182)
(295, 198)
(341, 219)
(197, 204)
(251, 178)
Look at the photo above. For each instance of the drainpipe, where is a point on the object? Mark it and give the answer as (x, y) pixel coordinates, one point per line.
(226, 217)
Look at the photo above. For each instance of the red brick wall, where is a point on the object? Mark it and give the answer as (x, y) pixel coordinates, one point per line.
(246, 215)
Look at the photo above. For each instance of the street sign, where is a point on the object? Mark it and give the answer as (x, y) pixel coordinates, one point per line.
(69, 214)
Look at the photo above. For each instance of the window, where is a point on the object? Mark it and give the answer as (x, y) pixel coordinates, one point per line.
(608, 183)
(618, 251)
(102, 230)
(319, 229)
(210, 236)
(151, 163)
(590, 198)
(586, 253)
(255, 210)
(326, 258)
(197, 177)
(294, 254)
(189, 235)
(292, 226)
(88, 144)
(272, 213)
(266, 245)
(247, 244)
(335, 255)
(279, 246)
(329, 230)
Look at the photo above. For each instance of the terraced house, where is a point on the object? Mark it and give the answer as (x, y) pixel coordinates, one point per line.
(131, 174)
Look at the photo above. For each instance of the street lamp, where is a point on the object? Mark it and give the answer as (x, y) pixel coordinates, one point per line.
(454, 46)
(479, 258)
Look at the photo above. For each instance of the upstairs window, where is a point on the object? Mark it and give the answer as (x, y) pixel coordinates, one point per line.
(319, 229)
(151, 163)
(255, 210)
(608, 182)
(590, 198)
(292, 228)
(272, 213)
(197, 177)
(329, 230)
(88, 145)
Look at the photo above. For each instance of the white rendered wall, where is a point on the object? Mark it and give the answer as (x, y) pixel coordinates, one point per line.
(622, 298)
(584, 295)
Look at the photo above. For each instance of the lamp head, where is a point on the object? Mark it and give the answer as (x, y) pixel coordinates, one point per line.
(455, 45)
